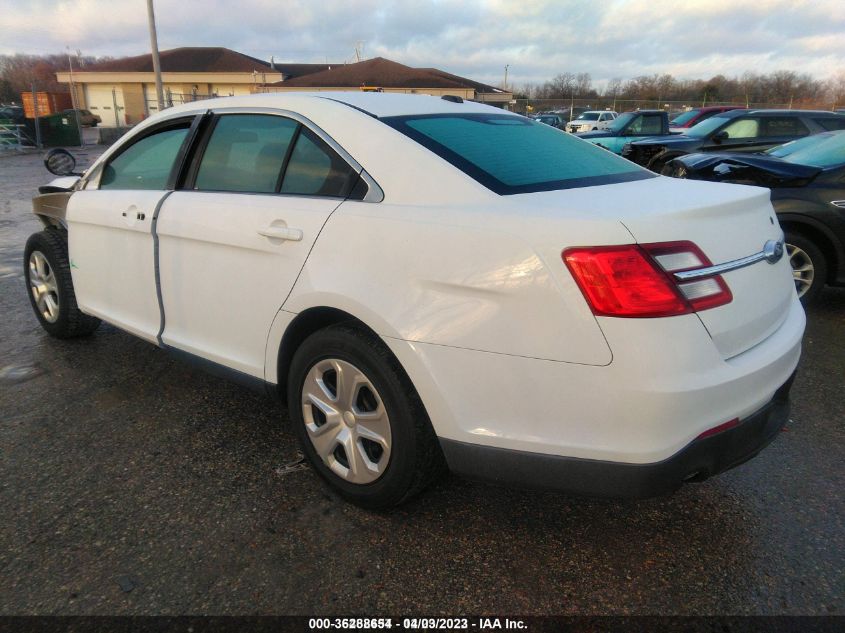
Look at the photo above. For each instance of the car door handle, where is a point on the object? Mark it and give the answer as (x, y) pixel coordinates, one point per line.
(281, 233)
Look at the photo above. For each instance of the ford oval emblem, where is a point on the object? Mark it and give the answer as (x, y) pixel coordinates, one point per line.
(773, 251)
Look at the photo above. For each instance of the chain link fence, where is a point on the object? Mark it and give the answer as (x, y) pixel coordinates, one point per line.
(577, 105)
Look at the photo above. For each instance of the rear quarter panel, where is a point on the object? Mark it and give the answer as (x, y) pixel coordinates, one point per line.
(412, 274)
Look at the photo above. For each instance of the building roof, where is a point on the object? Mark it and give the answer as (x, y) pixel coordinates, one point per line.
(291, 71)
(383, 73)
(188, 59)
(479, 87)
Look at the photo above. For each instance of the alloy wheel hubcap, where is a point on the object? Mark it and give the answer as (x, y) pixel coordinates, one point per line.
(803, 271)
(42, 284)
(346, 421)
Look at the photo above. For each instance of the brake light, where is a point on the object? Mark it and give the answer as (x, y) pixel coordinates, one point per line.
(637, 280)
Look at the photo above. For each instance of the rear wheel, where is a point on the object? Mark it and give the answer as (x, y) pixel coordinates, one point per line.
(809, 267)
(48, 280)
(359, 420)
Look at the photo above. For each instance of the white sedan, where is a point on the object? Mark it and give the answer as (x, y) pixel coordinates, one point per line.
(430, 283)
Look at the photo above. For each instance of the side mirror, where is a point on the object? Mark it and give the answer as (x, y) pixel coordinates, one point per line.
(718, 137)
(60, 162)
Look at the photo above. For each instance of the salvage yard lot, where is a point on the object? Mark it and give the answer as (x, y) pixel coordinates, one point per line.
(132, 484)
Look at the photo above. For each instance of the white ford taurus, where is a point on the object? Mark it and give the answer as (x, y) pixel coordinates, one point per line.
(432, 283)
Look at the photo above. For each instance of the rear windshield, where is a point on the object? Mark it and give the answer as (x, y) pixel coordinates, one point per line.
(511, 154)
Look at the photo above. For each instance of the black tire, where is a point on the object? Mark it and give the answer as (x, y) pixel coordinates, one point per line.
(660, 161)
(93, 124)
(70, 321)
(817, 260)
(415, 457)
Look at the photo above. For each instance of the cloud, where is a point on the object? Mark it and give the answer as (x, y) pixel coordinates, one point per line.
(537, 39)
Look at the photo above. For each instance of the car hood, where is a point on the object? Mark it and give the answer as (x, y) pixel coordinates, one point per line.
(757, 169)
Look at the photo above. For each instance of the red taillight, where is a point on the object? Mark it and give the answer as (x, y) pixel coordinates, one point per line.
(636, 280)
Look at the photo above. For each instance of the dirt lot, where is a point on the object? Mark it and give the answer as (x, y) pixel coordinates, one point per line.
(131, 484)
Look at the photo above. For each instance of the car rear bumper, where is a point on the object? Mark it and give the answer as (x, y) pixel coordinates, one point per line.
(700, 459)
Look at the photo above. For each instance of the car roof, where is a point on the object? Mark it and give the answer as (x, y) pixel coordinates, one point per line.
(719, 108)
(781, 112)
(377, 104)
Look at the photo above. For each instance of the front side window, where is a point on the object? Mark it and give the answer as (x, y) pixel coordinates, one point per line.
(147, 163)
(245, 153)
(510, 154)
(743, 128)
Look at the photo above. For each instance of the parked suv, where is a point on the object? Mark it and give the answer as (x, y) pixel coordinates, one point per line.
(734, 131)
(591, 120)
(430, 283)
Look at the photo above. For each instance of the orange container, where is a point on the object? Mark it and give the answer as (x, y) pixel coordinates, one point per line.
(48, 103)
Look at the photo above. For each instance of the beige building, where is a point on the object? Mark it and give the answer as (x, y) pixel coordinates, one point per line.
(122, 91)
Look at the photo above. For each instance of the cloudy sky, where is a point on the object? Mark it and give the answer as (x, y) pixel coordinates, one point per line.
(537, 39)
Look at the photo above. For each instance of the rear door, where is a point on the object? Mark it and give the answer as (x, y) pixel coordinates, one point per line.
(233, 240)
(109, 229)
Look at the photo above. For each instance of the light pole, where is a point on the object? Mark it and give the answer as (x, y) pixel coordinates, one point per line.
(73, 100)
(154, 46)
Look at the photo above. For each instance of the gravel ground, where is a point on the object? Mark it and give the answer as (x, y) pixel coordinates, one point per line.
(132, 484)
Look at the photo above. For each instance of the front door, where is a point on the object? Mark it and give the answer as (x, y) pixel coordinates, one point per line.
(109, 232)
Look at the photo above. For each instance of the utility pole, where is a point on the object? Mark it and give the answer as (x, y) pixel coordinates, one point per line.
(506, 77)
(37, 119)
(73, 100)
(154, 46)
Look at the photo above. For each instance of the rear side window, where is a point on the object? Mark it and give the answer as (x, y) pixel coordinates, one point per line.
(315, 169)
(510, 154)
(831, 124)
(146, 163)
(245, 153)
(785, 126)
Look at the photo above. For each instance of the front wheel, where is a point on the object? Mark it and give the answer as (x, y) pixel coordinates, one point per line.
(359, 420)
(48, 279)
(809, 267)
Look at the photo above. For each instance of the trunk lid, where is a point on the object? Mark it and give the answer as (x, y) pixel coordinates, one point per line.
(728, 222)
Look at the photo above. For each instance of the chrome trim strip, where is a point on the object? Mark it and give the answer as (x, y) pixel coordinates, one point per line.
(374, 194)
(838, 203)
(772, 252)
